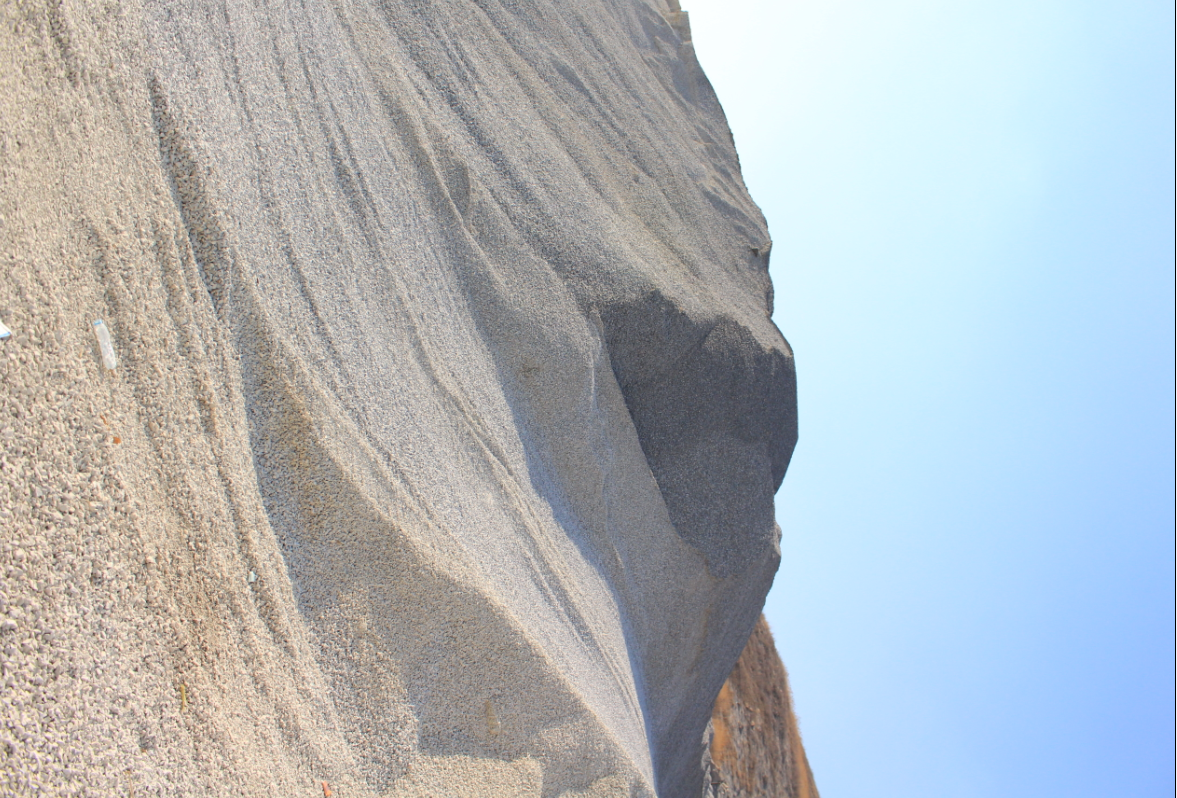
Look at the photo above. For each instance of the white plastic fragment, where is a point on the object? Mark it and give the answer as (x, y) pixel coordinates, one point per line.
(4, 331)
(105, 344)
(252, 577)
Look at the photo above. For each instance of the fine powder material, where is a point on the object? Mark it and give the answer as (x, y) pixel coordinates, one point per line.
(435, 446)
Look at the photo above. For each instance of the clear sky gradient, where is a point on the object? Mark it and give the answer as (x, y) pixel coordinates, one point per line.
(972, 212)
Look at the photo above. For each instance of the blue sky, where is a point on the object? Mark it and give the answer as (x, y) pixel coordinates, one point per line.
(972, 212)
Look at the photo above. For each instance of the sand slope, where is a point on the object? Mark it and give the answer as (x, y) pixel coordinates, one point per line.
(441, 448)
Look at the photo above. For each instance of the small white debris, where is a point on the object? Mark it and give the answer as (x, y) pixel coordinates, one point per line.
(252, 577)
(105, 344)
(4, 331)
(493, 727)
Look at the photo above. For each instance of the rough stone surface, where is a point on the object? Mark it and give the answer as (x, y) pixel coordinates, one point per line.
(441, 449)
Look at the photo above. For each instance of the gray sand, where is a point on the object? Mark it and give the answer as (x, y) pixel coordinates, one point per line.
(440, 454)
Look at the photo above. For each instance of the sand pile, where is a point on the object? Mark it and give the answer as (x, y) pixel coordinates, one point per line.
(439, 453)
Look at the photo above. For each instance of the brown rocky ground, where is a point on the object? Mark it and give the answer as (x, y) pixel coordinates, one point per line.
(756, 748)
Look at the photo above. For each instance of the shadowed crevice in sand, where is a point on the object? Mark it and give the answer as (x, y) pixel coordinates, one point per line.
(716, 414)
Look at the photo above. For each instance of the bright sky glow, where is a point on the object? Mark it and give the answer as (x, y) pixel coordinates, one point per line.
(972, 212)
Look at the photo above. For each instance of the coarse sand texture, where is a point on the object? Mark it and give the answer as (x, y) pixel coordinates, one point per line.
(391, 405)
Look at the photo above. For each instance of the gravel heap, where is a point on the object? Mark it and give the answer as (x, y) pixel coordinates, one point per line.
(438, 454)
